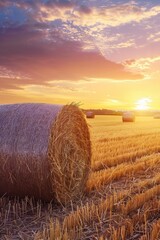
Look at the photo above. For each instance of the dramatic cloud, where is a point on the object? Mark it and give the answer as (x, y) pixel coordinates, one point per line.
(27, 51)
(83, 14)
(107, 16)
(52, 45)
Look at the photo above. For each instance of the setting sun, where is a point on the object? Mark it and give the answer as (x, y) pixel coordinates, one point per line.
(143, 104)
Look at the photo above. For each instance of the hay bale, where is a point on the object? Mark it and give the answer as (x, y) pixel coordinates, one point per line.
(128, 117)
(45, 151)
(90, 114)
(156, 116)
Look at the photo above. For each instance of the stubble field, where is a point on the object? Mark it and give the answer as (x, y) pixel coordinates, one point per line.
(122, 199)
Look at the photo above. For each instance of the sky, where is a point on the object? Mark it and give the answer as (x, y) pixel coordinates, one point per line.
(98, 53)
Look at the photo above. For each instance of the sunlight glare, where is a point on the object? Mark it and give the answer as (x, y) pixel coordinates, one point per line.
(143, 104)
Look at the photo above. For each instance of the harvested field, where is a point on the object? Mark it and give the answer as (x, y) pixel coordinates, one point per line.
(122, 200)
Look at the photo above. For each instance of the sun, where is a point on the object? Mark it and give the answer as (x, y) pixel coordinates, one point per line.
(143, 104)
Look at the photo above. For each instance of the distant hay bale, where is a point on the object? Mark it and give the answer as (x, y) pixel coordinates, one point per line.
(90, 114)
(157, 116)
(45, 151)
(128, 117)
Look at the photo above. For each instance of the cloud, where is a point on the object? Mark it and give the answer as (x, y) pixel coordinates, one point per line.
(11, 12)
(33, 3)
(28, 53)
(154, 37)
(125, 44)
(84, 14)
(37, 51)
(79, 21)
(117, 15)
(142, 64)
(105, 15)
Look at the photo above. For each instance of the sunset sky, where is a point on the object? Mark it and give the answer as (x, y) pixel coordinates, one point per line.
(101, 53)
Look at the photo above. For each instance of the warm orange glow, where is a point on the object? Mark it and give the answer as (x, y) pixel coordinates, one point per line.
(143, 104)
(100, 61)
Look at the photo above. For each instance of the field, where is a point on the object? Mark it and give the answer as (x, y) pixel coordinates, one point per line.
(122, 200)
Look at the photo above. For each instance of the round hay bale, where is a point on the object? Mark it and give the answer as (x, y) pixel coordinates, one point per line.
(128, 117)
(90, 114)
(45, 151)
(156, 116)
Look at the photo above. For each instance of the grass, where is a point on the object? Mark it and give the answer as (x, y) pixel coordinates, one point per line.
(122, 199)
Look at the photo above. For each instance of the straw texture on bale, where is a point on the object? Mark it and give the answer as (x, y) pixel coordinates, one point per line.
(45, 151)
